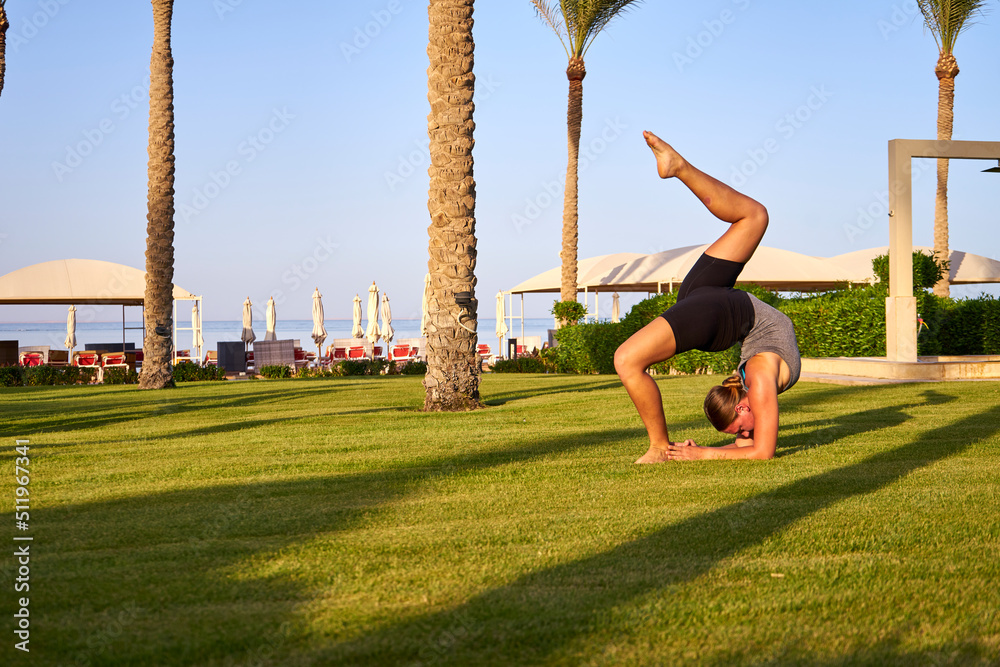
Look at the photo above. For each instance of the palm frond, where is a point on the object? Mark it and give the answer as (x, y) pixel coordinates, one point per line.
(552, 18)
(947, 19)
(585, 19)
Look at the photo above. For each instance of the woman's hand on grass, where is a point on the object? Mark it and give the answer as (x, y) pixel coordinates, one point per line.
(684, 451)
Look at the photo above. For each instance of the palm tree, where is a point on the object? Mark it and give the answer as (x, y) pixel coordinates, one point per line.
(946, 19)
(4, 24)
(453, 367)
(576, 23)
(157, 370)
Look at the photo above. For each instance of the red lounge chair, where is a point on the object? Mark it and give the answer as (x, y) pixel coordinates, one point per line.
(31, 359)
(89, 360)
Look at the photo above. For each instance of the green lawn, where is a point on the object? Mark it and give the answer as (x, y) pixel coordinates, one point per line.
(322, 522)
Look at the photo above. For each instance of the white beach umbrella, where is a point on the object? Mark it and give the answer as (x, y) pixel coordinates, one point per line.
(424, 315)
(319, 327)
(247, 336)
(372, 333)
(70, 341)
(197, 340)
(271, 320)
(387, 331)
(615, 308)
(501, 321)
(356, 330)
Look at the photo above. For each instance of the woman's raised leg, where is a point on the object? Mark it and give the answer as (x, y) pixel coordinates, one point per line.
(747, 218)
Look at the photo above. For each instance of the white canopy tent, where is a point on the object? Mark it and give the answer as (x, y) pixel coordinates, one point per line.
(88, 282)
(587, 271)
(773, 268)
(963, 269)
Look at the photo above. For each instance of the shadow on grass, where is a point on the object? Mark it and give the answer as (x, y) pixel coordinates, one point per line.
(531, 619)
(586, 385)
(852, 424)
(174, 558)
(88, 412)
(175, 551)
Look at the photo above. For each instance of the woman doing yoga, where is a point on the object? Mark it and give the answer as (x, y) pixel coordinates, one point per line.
(710, 315)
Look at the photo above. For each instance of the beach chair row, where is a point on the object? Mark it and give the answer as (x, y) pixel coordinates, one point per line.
(360, 349)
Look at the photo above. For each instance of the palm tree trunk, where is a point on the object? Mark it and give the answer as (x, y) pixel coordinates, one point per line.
(453, 367)
(570, 233)
(156, 366)
(4, 24)
(946, 71)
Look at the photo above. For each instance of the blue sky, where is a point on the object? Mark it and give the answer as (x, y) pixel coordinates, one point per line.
(301, 138)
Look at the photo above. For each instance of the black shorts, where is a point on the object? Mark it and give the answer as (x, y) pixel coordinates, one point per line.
(709, 314)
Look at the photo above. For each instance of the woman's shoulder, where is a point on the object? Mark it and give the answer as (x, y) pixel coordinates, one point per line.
(767, 368)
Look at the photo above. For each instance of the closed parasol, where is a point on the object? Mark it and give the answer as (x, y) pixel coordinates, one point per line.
(356, 330)
(71, 330)
(424, 314)
(271, 321)
(319, 327)
(387, 331)
(615, 308)
(197, 340)
(501, 321)
(247, 336)
(372, 333)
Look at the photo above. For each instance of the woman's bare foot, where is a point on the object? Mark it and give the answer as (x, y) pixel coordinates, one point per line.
(654, 455)
(668, 161)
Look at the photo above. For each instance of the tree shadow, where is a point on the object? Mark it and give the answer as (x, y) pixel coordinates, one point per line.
(830, 430)
(584, 387)
(109, 549)
(74, 413)
(532, 618)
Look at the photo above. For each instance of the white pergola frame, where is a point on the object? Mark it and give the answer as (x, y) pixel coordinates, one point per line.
(901, 305)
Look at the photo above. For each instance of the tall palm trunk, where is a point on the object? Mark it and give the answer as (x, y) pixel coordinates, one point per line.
(946, 71)
(570, 233)
(156, 366)
(453, 367)
(4, 24)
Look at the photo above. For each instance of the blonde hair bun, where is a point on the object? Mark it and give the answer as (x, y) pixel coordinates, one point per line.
(733, 382)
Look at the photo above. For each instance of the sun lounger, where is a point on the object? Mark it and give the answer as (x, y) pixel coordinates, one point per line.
(31, 359)
(89, 359)
(58, 358)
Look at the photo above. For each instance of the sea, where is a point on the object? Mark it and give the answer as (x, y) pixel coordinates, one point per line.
(53, 334)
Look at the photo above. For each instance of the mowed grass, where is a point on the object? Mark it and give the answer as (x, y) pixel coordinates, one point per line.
(322, 522)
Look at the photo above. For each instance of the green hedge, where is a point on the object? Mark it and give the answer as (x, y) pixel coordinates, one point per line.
(525, 363)
(36, 376)
(844, 323)
(188, 371)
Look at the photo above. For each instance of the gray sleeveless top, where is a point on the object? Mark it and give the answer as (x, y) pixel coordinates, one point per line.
(772, 332)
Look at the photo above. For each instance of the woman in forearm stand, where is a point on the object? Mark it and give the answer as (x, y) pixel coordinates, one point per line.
(710, 315)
